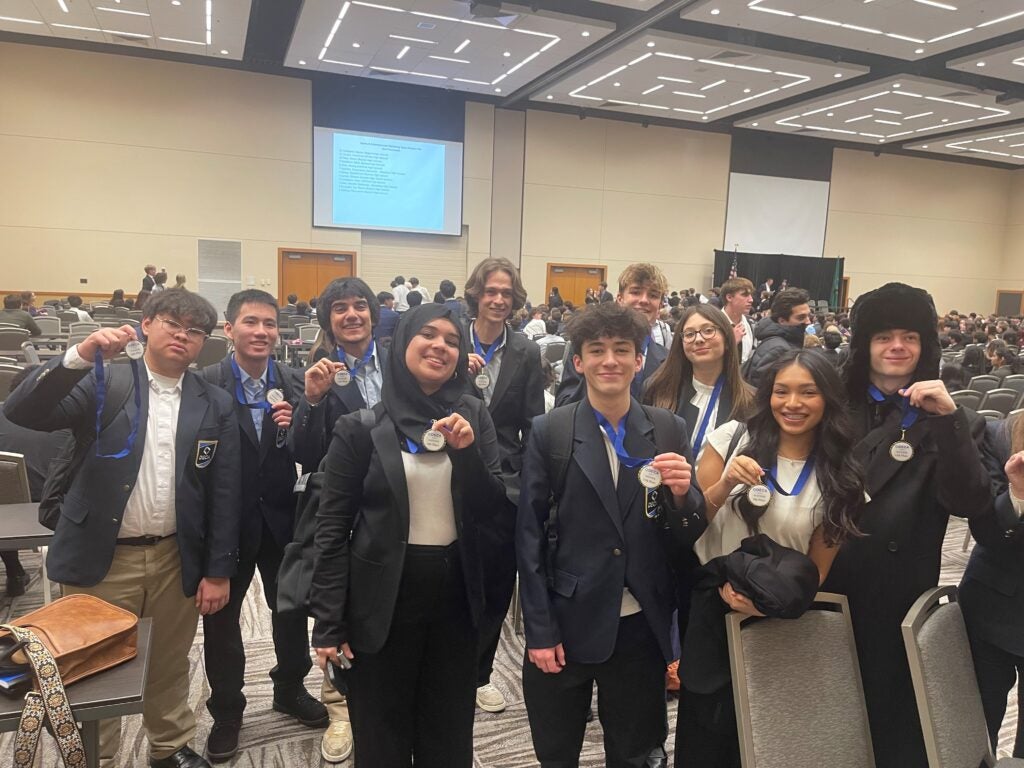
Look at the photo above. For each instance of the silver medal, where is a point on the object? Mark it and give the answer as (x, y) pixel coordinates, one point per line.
(343, 378)
(759, 495)
(649, 477)
(433, 440)
(134, 349)
(901, 451)
(482, 380)
(275, 396)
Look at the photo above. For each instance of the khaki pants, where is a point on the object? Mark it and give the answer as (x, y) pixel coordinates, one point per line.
(146, 580)
(337, 706)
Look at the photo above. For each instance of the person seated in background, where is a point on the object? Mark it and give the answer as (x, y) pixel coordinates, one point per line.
(179, 281)
(954, 377)
(28, 303)
(956, 341)
(302, 309)
(414, 299)
(536, 326)
(1011, 337)
(1002, 360)
(140, 300)
(117, 298)
(975, 362)
(831, 341)
(75, 303)
(551, 334)
(289, 308)
(13, 314)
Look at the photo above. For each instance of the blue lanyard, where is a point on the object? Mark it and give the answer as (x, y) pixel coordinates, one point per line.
(618, 438)
(101, 398)
(715, 394)
(415, 447)
(910, 413)
(359, 363)
(495, 346)
(771, 477)
(240, 392)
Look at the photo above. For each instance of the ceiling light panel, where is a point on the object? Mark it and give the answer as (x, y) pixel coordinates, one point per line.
(436, 42)
(198, 27)
(1002, 144)
(1006, 63)
(692, 80)
(636, 5)
(899, 28)
(896, 109)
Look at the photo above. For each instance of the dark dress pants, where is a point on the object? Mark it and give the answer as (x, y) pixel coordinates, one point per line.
(500, 589)
(630, 702)
(222, 638)
(997, 671)
(706, 734)
(413, 701)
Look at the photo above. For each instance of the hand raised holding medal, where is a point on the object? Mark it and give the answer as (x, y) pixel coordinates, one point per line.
(454, 430)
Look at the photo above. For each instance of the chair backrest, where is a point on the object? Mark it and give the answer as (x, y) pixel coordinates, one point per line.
(1016, 382)
(68, 317)
(1002, 400)
(103, 311)
(984, 383)
(8, 361)
(50, 326)
(78, 338)
(122, 311)
(136, 315)
(80, 327)
(945, 685)
(214, 350)
(554, 351)
(799, 698)
(7, 374)
(294, 321)
(308, 332)
(990, 415)
(1017, 412)
(968, 398)
(14, 488)
(30, 353)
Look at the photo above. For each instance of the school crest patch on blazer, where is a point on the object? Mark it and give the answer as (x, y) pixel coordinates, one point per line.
(205, 449)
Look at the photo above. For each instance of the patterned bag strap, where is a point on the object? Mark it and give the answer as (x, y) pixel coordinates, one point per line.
(50, 700)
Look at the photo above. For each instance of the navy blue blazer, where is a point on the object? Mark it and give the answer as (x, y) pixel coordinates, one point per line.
(206, 492)
(573, 388)
(605, 541)
(266, 463)
(310, 433)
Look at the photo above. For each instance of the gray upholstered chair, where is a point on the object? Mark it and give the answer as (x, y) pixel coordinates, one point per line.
(799, 697)
(308, 332)
(7, 373)
(984, 383)
(14, 489)
(968, 398)
(50, 326)
(948, 701)
(214, 350)
(1002, 400)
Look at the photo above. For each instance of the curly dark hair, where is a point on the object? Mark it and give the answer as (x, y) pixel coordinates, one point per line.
(607, 320)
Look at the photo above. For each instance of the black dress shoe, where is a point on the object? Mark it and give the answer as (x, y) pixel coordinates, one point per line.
(183, 758)
(222, 743)
(300, 705)
(16, 584)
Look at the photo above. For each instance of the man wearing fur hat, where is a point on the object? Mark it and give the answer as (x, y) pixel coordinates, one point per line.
(922, 457)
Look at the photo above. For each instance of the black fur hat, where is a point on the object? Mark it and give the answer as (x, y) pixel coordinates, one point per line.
(894, 305)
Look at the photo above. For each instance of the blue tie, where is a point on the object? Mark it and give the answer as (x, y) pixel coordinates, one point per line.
(254, 389)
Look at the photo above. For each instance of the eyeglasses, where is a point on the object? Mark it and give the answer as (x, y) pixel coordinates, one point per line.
(194, 334)
(707, 332)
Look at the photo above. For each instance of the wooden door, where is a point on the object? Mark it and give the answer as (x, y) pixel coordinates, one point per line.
(305, 272)
(572, 281)
(1009, 303)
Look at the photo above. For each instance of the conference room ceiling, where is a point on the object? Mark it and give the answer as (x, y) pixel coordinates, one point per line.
(1005, 62)
(1003, 143)
(198, 27)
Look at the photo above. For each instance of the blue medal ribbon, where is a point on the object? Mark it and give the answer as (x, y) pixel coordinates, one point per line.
(771, 478)
(415, 447)
(495, 346)
(715, 394)
(240, 392)
(339, 355)
(618, 438)
(910, 413)
(101, 398)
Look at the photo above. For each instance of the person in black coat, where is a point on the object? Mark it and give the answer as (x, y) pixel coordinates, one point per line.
(399, 579)
(264, 393)
(991, 594)
(505, 372)
(778, 333)
(922, 456)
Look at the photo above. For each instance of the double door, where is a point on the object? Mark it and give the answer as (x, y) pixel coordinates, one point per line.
(572, 281)
(305, 273)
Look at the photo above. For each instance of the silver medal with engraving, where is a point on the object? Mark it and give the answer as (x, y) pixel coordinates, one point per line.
(759, 495)
(275, 396)
(433, 440)
(134, 349)
(649, 477)
(482, 380)
(343, 378)
(901, 451)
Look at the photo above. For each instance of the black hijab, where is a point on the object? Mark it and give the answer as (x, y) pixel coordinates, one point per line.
(408, 406)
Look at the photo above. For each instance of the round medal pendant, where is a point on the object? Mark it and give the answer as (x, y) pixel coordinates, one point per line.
(343, 378)
(759, 495)
(901, 451)
(275, 396)
(649, 477)
(482, 380)
(433, 440)
(134, 349)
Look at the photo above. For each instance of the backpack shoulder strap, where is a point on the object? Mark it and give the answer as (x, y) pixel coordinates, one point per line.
(561, 422)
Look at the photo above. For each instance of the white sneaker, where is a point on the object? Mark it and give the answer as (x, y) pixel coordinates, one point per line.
(490, 699)
(337, 742)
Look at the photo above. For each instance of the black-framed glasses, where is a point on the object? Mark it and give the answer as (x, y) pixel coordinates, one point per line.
(708, 332)
(173, 327)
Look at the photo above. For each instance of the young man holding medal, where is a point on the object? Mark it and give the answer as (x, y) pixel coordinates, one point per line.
(264, 393)
(151, 519)
(506, 374)
(922, 456)
(595, 575)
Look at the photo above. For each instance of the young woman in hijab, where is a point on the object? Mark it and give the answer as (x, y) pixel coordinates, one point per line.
(398, 580)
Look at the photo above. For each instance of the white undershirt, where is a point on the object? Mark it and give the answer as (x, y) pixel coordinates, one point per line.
(630, 605)
(428, 478)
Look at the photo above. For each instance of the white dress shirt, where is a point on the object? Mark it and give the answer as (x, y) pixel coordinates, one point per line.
(368, 377)
(629, 605)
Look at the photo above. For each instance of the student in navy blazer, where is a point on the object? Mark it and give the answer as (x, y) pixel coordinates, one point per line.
(155, 530)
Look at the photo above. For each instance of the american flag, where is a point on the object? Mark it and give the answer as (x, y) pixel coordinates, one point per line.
(732, 269)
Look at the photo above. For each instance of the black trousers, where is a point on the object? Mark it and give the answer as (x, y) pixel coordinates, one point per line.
(630, 702)
(224, 651)
(706, 732)
(501, 586)
(413, 701)
(997, 671)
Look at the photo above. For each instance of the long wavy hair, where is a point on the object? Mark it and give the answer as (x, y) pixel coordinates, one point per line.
(840, 476)
(666, 384)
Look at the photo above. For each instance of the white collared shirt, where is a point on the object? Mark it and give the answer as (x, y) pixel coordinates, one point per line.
(701, 399)
(493, 367)
(629, 605)
(368, 377)
(150, 509)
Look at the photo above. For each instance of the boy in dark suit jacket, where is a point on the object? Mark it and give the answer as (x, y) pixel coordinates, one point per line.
(150, 522)
(599, 608)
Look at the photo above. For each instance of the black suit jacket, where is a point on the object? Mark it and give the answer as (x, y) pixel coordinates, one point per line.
(689, 411)
(267, 467)
(148, 282)
(206, 495)
(310, 433)
(573, 388)
(605, 541)
(363, 525)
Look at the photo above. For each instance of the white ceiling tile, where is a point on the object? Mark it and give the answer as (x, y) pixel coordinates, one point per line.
(1006, 63)
(1000, 144)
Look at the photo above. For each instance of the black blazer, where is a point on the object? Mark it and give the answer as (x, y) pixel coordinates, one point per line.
(992, 590)
(206, 494)
(310, 433)
(573, 388)
(689, 411)
(363, 525)
(605, 541)
(267, 466)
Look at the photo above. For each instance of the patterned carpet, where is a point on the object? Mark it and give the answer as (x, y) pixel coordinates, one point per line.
(272, 740)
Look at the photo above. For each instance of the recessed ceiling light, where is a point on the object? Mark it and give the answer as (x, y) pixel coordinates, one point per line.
(175, 2)
(895, 85)
(506, 54)
(715, 11)
(401, 53)
(753, 125)
(919, 50)
(881, 141)
(616, 85)
(944, 120)
(924, 146)
(650, 43)
(550, 97)
(356, 45)
(705, 117)
(980, 64)
(746, 90)
(223, 52)
(63, 6)
(837, 75)
(302, 62)
(585, 33)
(497, 90)
(830, 114)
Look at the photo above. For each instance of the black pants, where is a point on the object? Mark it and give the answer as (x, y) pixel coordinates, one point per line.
(630, 702)
(499, 596)
(997, 671)
(222, 638)
(413, 701)
(13, 564)
(706, 733)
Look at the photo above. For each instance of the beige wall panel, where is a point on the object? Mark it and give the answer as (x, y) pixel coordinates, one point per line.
(476, 213)
(562, 222)
(564, 150)
(653, 227)
(432, 259)
(111, 99)
(479, 150)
